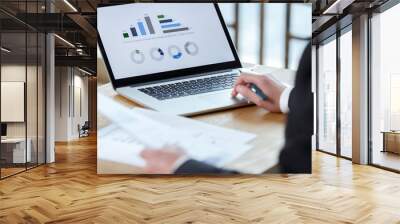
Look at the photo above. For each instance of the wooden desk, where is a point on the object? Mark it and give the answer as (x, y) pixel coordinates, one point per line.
(269, 127)
(391, 141)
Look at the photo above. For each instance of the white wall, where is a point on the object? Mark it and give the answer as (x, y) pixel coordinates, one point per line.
(71, 102)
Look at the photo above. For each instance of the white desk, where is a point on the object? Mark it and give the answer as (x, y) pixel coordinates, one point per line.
(18, 151)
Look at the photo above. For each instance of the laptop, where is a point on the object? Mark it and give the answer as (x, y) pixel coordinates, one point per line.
(176, 58)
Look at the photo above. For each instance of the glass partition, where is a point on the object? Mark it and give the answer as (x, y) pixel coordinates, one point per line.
(14, 154)
(22, 77)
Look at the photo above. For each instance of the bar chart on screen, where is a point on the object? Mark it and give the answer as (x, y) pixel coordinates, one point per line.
(169, 25)
(144, 27)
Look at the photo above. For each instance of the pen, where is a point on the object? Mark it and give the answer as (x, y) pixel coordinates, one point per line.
(254, 88)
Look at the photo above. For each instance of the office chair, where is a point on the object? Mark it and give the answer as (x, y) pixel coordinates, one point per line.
(84, 130)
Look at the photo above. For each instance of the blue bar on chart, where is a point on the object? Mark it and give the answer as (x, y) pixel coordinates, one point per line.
(171, 25)
(141, 28)
(133, 31)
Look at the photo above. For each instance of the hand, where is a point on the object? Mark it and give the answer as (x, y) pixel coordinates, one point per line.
(272, 88)
(161, 161)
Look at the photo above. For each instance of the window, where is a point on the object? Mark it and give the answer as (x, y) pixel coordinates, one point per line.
(249, 32)
(346, 94)
(334, 60)
(228, 12)
(327, 96)
(275, 35)
(283, 41)
(385, 89)
(300, 31)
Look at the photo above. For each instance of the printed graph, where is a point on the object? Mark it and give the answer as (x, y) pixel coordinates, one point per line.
(169, 25)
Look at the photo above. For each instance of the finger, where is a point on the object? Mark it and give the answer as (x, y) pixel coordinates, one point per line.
(250, 78)
(234, 92)
(250, 95)
(243, 79)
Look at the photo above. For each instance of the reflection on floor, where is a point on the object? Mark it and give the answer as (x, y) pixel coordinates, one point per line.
(11, 169)
(70, 191)
(346, 152)
(386, 159)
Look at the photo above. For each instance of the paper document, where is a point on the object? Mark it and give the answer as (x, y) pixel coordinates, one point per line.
(197, 129)
(135, 129)
(118, 146)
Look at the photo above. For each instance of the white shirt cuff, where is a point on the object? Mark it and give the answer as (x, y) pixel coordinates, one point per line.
(179, 162)
(284, 100)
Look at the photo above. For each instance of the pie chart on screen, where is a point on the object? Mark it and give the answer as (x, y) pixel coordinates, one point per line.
(157, 54)
(175, 52)
(137, 56)
(191, 48)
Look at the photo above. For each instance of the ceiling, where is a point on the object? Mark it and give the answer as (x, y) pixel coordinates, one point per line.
(75, 22)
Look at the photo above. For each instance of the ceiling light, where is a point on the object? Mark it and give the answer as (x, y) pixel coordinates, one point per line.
(64, 40)
(84, 71)
(70, 5)
(337, 7)
(5, 50)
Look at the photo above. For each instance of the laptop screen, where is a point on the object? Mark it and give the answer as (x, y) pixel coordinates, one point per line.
(148, 38)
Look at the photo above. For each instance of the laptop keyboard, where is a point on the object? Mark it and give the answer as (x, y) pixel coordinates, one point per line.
(191, 87)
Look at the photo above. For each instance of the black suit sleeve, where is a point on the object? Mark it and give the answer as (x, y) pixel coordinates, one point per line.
(295, 157)
(195, 167)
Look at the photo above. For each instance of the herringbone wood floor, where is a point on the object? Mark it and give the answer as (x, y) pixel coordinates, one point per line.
(69, 191)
